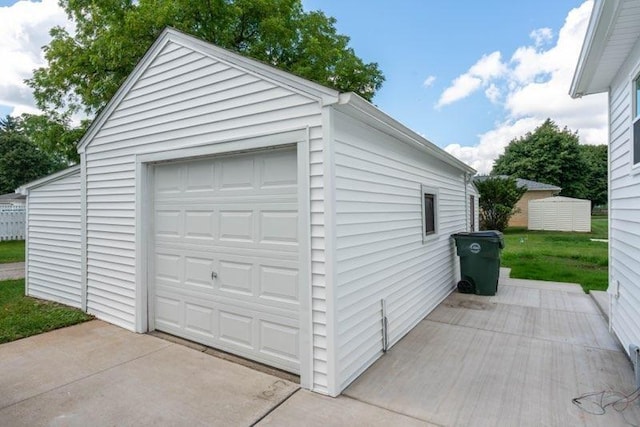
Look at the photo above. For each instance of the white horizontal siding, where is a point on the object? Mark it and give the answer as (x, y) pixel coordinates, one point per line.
(379, 248)
(185, 99)
(53, 241)
(624, 221)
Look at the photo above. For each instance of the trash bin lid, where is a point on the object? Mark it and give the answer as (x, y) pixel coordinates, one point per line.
(486, 233)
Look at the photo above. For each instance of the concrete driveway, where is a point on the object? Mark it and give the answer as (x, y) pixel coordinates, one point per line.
(517, 358)
(101, 375)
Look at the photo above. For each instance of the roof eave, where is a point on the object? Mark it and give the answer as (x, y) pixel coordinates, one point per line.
(24, 189)
(596, 37)
(375, 115)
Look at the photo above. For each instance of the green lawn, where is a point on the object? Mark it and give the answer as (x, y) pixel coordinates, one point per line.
(559, 256)
(11, 251)
(22, 316)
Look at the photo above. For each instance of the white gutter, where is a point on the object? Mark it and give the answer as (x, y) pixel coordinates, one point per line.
(384, 120)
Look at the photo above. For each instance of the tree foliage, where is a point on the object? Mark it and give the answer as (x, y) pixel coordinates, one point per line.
(597, 176)
(54, 135)
(498, 198)
(85, 69)
(549, 155)
(21, 160)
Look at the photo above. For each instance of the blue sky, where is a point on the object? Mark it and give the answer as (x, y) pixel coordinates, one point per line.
(414, 39)
(469, 75)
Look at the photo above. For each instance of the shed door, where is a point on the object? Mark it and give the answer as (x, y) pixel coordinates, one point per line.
(225, 262)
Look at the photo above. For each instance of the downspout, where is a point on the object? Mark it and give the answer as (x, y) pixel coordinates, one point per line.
(83, 230)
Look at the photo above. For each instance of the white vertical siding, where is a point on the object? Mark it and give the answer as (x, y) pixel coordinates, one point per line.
(184, 99)
(624, 220)
(379, 249)
(53, 239)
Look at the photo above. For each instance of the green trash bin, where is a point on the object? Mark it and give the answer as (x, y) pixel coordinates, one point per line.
(479, 254)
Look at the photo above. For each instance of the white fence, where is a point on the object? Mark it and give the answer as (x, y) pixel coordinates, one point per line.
(12, 222)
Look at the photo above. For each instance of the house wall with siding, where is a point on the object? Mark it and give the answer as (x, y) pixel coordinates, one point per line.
(53, 261)
(624, 205)
(184, 99)
(379, 251)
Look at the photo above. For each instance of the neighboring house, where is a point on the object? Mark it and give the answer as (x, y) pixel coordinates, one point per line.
(610, 62)
(535, 190)
(13, 199)
(236, 205)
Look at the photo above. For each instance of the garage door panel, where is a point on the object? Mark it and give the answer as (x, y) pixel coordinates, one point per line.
(280, 340)
(168, 311)
(199, 319)
(237, 173)
(167, 223)
(168, 267)
(197, 272)
(236, 328)
(270, 339)
(279, 227)
(199, 224)
(236, 226)
(200, 178)
(279, 284)
(226, 254)
(236, 277)
(279, 171)
(168, 180)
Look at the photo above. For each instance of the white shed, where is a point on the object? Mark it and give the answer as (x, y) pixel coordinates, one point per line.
(560, 214)
(242, 207)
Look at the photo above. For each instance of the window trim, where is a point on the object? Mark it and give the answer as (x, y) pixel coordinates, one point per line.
(426, 190)
(635, 120)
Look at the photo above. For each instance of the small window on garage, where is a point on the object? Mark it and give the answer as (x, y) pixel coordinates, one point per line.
(429, 212)
(636, 120)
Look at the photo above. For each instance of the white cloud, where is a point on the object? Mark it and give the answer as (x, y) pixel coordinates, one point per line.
(534, 86)
(24, 30)
(493, 93)
(462, 87)
(429, 81)
(488, 67)
(541, 36)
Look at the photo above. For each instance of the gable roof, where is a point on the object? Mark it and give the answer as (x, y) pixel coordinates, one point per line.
(24, 189)
(527, 183)
(252, 66)
(325, 95)
(612, 33)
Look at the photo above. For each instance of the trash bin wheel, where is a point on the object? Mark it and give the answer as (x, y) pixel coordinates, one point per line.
(466, 287)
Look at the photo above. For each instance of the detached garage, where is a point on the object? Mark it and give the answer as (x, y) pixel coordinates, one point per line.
(239, 206)
(560, 214)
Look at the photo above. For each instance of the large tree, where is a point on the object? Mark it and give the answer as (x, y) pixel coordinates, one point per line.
(21, 161)
(85, 69)
(548, 154)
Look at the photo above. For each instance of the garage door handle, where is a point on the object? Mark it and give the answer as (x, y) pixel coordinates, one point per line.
(214, 275)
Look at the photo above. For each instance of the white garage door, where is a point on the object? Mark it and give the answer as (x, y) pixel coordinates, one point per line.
(226, 254)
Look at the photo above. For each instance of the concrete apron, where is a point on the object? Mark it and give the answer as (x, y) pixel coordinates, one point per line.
(98, 374)
(101, 375)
